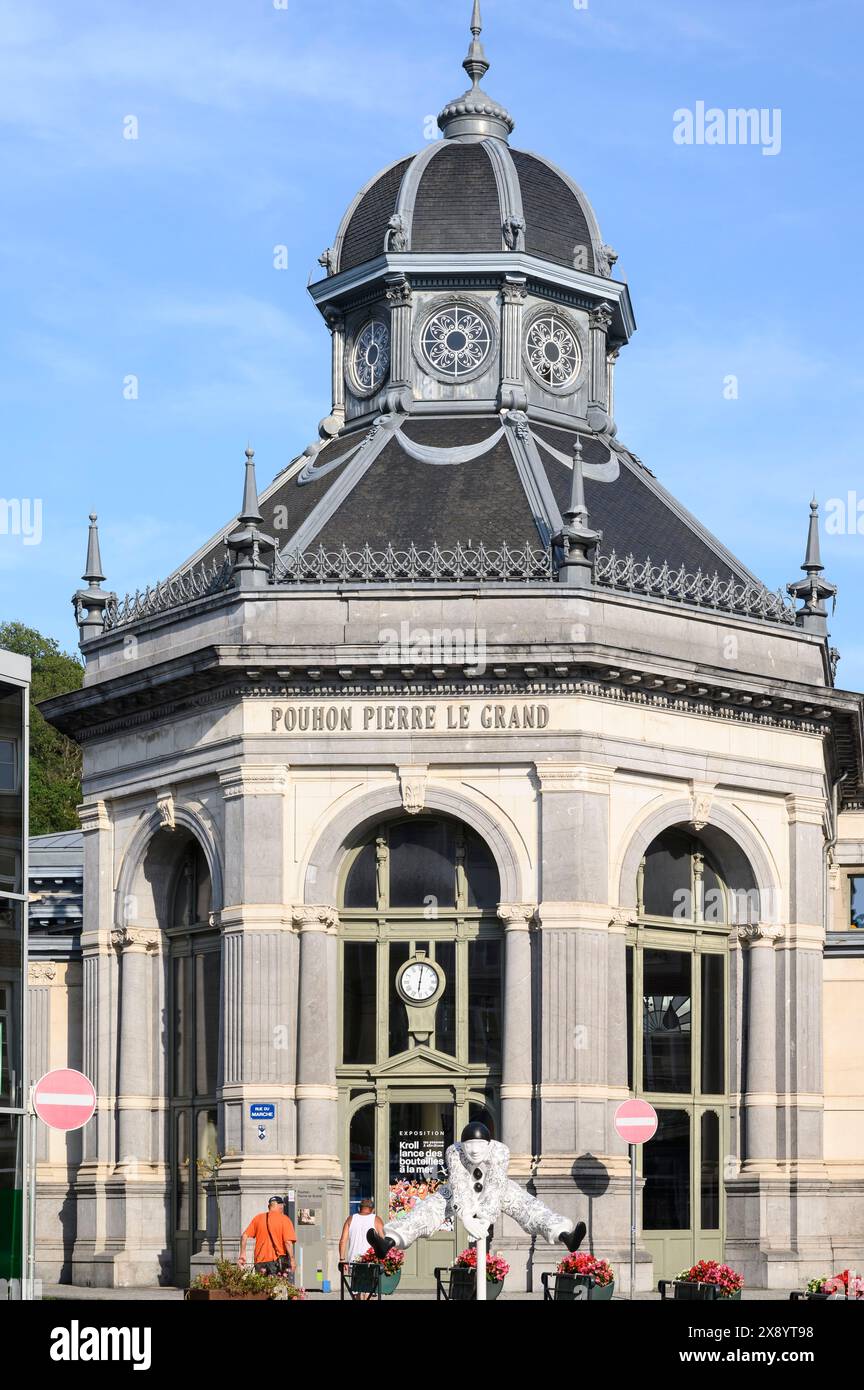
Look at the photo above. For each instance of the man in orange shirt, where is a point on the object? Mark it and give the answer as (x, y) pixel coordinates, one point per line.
(274, 1236)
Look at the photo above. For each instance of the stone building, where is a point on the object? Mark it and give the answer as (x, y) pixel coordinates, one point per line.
(464, 773)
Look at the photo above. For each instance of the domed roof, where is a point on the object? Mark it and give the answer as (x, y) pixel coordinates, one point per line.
(463, 196)
(471, 193)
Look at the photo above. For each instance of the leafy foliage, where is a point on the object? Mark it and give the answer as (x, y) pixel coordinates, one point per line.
(55, 761)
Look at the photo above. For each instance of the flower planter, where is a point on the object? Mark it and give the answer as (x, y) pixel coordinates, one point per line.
(570, 1288)
(220, 1296)
(685, 1291)
(390, 1282)
(493, 1290)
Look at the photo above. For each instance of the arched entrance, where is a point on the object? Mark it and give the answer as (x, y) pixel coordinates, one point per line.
(193, 1008)
(421, 1013)
(688, 894)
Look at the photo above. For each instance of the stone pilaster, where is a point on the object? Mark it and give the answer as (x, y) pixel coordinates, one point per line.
(140, 958)
(517, 1088)
(760, 1066)
(514, 294)
(317, 1096)
(336, 419)
(255, 840)
(399, 297)
(100, 979)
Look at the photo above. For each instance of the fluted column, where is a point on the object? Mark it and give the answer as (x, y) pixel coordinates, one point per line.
(336, 419)
(600, 320)
(99, 971)
(513, 298)
(137, 948)
(517, 1071)
(760, 1098)
(317, 1095)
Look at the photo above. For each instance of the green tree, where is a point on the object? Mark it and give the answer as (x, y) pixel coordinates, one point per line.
(55, 761)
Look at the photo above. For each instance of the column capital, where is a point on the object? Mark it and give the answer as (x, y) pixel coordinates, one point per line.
(517, 916)
(135, 940)
(575, 777)
(42, 972)
(514, 289)
(254, 779)
(93, 815)
(760, 934)
(318, 917)
(807, 810)
(399, 292)
(600, 318)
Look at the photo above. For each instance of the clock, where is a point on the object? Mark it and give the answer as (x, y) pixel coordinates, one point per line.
(420, 980)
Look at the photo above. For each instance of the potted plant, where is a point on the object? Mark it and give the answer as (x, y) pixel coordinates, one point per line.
(497, 1269)
(230, 1282)
(706, 1280)
(391, 1267)
(582, 1268)
(847, 1284)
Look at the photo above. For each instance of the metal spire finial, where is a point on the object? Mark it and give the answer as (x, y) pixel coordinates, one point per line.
(251, 512)
(475, 115)
(90, 603)
(93, 572)
(576, 538)
(813, 590)
(476, 64)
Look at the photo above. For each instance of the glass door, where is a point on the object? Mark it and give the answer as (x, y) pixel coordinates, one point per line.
(676, 1053)
(419, 1132)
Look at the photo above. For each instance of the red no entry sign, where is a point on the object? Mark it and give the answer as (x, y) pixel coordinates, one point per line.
(64, 1099)
(636, 1121)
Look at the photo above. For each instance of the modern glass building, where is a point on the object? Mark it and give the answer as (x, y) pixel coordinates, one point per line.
(14, 689)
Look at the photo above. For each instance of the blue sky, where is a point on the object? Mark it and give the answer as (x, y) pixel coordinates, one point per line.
(257, 123)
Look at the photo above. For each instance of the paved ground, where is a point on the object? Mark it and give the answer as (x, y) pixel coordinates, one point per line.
(68, 1293)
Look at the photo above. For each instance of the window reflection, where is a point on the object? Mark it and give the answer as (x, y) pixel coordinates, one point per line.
(666, 1018)
(666, 1169)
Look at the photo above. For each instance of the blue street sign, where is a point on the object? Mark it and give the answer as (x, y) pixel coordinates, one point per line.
(262, 1110)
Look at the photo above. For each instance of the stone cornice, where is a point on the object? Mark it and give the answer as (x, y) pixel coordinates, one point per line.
(243, 917)
(574, 915)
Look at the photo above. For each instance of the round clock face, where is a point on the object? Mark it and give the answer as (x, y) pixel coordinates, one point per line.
(419, 981)
(370, 360)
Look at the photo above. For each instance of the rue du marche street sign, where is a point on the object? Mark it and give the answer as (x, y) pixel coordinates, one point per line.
(64, 1099)
(636, 1121)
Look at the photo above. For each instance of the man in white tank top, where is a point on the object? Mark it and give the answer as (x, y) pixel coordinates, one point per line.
(354, 1240)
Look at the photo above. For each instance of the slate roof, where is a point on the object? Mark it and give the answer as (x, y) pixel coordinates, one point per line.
(398, 499)
(458, 208)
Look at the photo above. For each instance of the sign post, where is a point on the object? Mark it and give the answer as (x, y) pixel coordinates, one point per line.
(635, 1123)
(62, 1099)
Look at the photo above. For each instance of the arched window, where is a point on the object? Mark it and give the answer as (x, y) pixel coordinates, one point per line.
(679, 880)
(419, 913)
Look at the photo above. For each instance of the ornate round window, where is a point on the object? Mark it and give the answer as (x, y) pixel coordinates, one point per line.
(553, 352)
(370, 357)
(456, 341)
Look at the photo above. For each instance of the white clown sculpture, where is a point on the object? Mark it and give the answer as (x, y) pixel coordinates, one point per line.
(477, 1191)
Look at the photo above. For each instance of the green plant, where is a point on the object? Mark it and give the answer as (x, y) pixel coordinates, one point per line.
(238, 1281)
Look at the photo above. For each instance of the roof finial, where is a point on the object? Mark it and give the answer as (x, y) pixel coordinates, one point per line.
(476, 64)
(474, 115)
(576, 538)
(90, 603)
(248, 544)
(813, 589)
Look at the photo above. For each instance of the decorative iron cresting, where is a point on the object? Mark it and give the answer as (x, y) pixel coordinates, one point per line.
(436, 564)
(210, 577)
(701, 590)
(457, 563)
